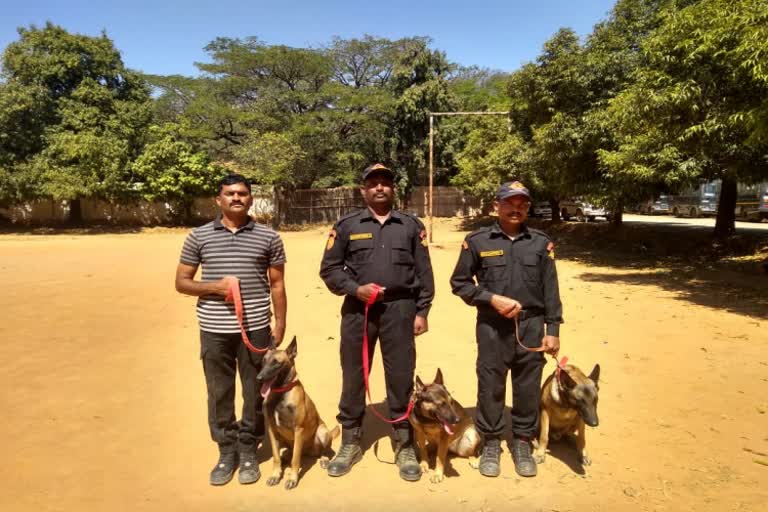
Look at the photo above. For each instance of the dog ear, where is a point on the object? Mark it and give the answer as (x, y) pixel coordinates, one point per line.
(566, 380)
(439, 377)
(595, 375)
(292, 349)
(418, 386)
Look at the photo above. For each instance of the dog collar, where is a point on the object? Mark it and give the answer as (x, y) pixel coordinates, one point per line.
(285, 388)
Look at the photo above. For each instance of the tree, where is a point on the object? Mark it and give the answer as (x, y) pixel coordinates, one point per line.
(73, 116)
(549, 99)
(169, 169)
(695, 109)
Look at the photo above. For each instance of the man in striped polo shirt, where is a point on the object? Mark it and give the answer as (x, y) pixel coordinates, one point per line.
(233, 248)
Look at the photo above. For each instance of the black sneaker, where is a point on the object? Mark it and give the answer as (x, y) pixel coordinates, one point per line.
(249, 469)
(224, 470)
(521, 454)
(490, 464)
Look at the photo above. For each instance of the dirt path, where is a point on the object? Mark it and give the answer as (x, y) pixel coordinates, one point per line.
(104, 396)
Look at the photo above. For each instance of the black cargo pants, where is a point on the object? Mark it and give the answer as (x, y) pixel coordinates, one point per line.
(223, 355)
(497, 353)
(391, 323)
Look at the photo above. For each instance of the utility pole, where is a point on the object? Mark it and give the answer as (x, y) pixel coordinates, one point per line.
(432, 115)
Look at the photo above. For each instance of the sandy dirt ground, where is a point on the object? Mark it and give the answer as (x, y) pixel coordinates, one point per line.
(104, 398)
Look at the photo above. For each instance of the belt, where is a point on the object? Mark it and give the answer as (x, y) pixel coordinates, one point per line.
(488, 313)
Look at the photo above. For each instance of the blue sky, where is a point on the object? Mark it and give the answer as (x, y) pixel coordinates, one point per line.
(168, 37)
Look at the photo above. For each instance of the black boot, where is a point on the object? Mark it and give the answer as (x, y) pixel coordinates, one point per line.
(521, 454)
(349, 453)
(249, 469)
(405, 455)
(489, 459)
(224, 469)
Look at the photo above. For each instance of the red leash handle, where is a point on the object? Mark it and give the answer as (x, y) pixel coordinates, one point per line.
(234, 296)
(366, 367)
(560, 364)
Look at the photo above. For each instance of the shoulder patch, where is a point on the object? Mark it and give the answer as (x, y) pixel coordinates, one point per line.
(551, 250)
(465, 245)
(423, 236)
(331, 240)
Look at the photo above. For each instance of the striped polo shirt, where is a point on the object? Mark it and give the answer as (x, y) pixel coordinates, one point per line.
(246, 254)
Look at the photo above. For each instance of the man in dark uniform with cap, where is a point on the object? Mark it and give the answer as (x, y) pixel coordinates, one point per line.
(516, 296)
(378, 246)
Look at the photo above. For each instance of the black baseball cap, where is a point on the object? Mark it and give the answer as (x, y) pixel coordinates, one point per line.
(512, 188)
(378, 168)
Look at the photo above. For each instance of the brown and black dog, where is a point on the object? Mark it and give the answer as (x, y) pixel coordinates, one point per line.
(441, 421)
(567, 404)
(291, 417)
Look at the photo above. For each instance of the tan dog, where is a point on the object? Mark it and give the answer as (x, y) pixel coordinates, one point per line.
(567, 404)
(291, 417)
(441, 421)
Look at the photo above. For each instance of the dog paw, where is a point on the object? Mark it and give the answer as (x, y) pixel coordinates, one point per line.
(324, 461)
(424, 466)
(585, 460)
(474, 462)
(273, 480)
(436, 478)
(291, 483)
(539, 457)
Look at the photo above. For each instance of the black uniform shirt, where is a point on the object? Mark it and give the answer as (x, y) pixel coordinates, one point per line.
(522, 269)
(361, 250)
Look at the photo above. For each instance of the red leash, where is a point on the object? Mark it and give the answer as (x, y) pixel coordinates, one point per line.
(366, 368)
(560, 364)
(234, 296)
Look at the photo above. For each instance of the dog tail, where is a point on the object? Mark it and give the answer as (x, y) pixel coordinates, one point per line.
(335, 432)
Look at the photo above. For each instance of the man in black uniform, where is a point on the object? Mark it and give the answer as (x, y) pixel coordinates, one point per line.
(378, 246)
(516, 279)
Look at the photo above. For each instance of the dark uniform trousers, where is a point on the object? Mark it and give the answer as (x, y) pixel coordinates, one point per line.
(223, 355)
(498, 352)
(391, 323)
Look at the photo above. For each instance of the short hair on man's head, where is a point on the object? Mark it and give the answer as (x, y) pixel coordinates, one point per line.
(231, 179)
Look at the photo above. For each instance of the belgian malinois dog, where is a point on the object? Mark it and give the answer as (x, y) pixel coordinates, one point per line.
(291, 417)
(441, 421)
(568, 402)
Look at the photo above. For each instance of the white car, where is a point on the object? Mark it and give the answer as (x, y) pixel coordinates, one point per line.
(541, 209)
(581, 211)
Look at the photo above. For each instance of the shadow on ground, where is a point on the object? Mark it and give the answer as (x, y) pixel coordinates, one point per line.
(730, 273)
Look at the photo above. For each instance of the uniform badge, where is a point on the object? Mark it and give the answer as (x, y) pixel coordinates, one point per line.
(488, 254)
(331, 240)
(551, 250)
(361, 236)
(423, 236)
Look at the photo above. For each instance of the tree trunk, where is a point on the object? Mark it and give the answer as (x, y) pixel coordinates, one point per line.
(617, 216)
(725, 225)
(554, 205)
(75, 212)
(276, 207)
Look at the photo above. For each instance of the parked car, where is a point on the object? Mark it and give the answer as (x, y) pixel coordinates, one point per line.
(581, 210)
(541, 209)
(660, 206)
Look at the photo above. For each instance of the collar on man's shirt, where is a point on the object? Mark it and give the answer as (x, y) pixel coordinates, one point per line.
(497, 231)
(217, 224)
(394, 215)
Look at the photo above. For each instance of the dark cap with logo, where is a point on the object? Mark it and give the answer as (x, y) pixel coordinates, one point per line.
(512, 188)
(377, 168)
